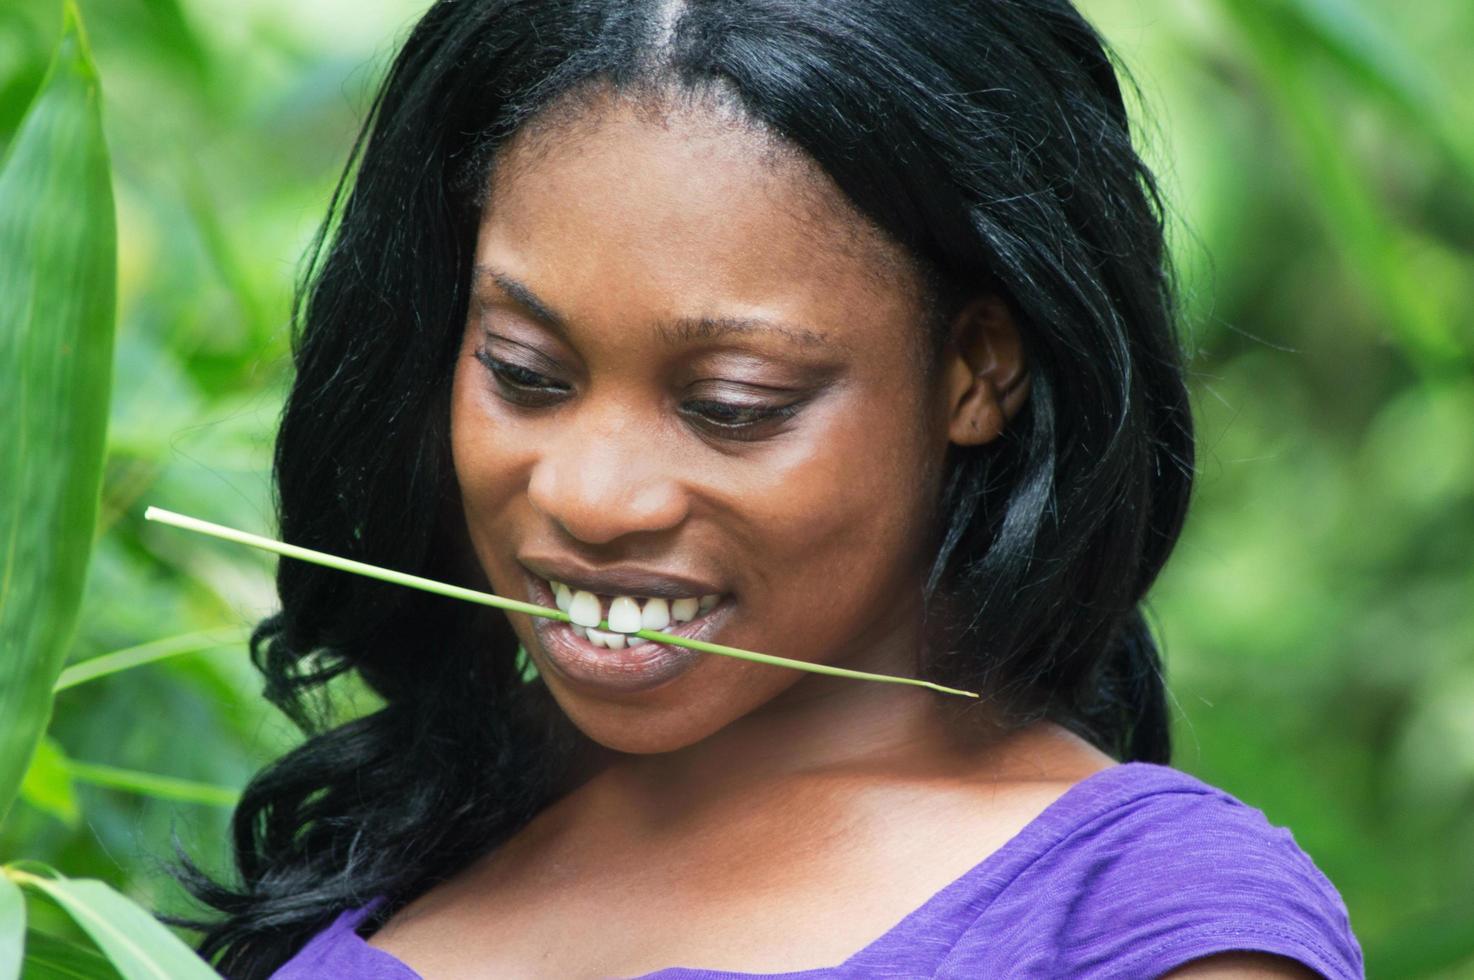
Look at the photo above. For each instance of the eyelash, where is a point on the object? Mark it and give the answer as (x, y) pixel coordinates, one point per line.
(529, 389)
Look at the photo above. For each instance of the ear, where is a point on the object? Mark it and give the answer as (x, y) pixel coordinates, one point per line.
(985, 378)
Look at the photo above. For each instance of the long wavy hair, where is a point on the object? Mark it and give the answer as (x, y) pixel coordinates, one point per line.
(989, 138)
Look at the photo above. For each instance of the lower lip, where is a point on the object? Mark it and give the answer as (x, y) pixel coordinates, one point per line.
(633, 669)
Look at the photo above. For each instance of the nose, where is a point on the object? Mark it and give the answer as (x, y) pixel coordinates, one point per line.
(605, 475)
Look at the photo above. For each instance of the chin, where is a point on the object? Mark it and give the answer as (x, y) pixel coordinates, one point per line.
(668, 720)
(643, 732)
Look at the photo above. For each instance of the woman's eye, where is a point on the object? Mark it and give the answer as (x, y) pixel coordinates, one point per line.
(519, 384)
(733, 421)
(726, 420)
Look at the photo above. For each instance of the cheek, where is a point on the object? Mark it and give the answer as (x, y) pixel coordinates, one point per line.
(484, 457)
(847, 504)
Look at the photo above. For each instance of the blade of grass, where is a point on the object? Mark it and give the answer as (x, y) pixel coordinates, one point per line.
(48, 784)
(58, 270)
(147, 653)
(512, 605)
(152, 784)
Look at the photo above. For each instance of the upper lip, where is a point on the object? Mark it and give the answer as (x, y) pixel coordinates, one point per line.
(630, 580)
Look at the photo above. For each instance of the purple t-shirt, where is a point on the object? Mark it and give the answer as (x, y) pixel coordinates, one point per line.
(1131, 873)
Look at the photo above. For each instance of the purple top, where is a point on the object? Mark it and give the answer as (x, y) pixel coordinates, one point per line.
(1131, 873)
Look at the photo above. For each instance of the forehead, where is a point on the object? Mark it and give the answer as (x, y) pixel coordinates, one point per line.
(688, 209)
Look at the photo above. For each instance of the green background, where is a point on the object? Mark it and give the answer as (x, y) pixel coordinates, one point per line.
(1318, 615)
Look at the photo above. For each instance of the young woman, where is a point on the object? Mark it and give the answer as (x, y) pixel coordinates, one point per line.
(839, 330)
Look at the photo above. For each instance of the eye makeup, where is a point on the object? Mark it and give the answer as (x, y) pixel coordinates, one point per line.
(735, 419)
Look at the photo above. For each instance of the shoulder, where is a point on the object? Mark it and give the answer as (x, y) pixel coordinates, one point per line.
(1141, 869)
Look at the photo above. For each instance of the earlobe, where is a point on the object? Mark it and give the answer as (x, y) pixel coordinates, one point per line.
(986, 378)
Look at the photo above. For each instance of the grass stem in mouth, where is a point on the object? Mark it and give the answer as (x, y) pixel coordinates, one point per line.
(511, 605)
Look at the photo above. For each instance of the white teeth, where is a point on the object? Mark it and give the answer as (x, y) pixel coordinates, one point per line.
(683, 610)
(582, 631)
(624, 614)
(655, 615)
(583, 609)
(627, 614)
(634, 641)
(599, 638)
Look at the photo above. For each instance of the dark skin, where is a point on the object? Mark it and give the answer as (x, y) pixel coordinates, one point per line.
(737, 800)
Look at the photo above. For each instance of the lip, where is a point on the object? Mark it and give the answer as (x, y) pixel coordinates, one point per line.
(631, 670)
(625, 580)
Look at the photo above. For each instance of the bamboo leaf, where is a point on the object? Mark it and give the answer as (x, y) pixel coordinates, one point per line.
(48, 784)
(12, 926)
(57, 279)
(147, 653)
(53, 958)
(137, 944)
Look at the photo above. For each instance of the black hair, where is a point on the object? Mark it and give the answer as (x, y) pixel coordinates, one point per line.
(988, 138)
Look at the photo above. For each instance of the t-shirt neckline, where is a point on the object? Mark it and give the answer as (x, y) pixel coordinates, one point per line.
(977, 886)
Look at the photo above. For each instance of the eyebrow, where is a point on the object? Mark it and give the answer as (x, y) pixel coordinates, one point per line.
(676, 331)
(522, 296)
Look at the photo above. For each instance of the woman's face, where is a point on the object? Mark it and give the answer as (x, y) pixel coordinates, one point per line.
(689, 371)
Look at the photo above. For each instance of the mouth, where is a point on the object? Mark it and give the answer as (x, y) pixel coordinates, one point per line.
(613, 660)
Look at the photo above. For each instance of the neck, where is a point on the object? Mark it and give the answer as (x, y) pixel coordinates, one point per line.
(819, 726)
(821, 736)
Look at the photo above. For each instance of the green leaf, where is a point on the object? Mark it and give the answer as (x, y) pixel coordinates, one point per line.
(50, 957)
(137, 944)
(147, 653)
(48, 784)
(12, 926)
(58, 271)
(153, 784)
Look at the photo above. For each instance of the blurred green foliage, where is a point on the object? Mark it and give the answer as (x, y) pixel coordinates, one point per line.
(1317, 614)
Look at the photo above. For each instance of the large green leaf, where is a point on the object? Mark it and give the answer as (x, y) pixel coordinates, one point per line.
(12, 926)
(58, 276)
(52, 958)
(137, 944)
